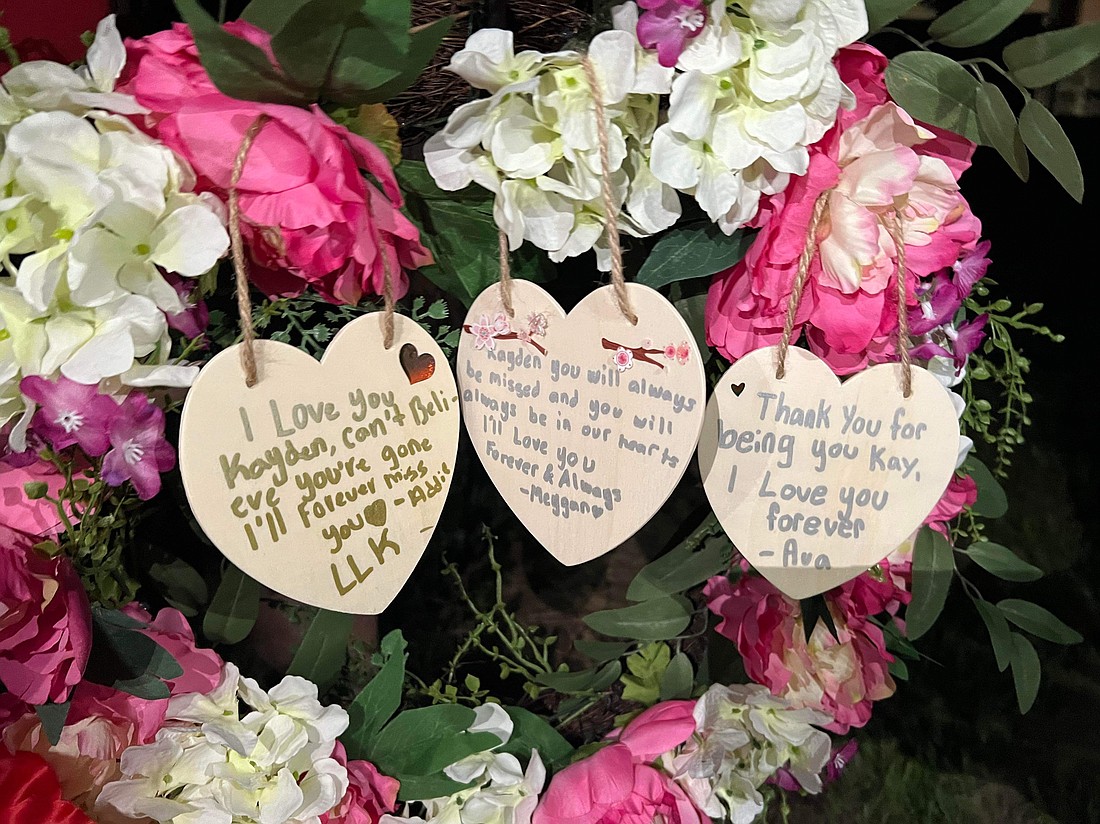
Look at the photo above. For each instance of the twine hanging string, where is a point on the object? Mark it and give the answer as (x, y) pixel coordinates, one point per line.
(505, 275)
(895, 229)
(611, 206)
(240, 265)
(387, 297)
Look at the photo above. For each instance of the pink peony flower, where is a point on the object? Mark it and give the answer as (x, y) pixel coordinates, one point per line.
(875, 159)
(19, 515)
(310, 218)
(617, 785)
(840, 676)
(70, 413)
(668, 25)
(370, 794)
(45, 624)
(140, 452)
(961, 492)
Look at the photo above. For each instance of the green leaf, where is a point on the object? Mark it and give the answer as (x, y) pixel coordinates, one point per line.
(126, 658)
(601, 650)
(1002, 562)
(881, 12)
(693, 252)
(533, 732)
(324, 648)
(182, 586)
(145, 686)
(232, 614)
(656, 620)
(1026, 672)
(992, 501)
(415, 787)
(236, 67)
(53, 717)
(1038, 621)
(1043, 134)
(976, 21)
(372, 53)
(1048, 57)
(693, 310)
(935, 89)
(1000, 636)
(998, 128)
(899, 669)
(378, 700)
(680, 570)
(305, 46)
(35, 490)
(271, 15)
(646, 666)
(589, 680)
(423, 45)
(933, 566)
(678, 679)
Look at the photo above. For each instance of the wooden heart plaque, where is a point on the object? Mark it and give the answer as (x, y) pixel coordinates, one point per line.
(584, 422)
(816, 481)
(324, 481)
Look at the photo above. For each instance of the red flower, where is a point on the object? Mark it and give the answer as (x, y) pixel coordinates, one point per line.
(30, 794)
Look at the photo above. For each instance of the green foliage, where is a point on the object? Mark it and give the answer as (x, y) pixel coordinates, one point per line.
(1048, 57)
(1000, 636)
(379, 699)
(233, 611)
(881, 12)
(935, 89)
(645, 669)
(992, 502)
(659, 619)
(1026, 671)
(998, 128)
(181, 586)
(323, 650)
(53, 717)
(533, 732)
(1038, 621)
(1002, 562)
(126, 659)
(601, 650)
(973, 22)
(933, 566)
(583, 681)
(695, 251)
(1044, 136)
(683, 567)
(679, 679)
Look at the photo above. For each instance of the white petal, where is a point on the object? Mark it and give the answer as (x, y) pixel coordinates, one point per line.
(676, 160)
(614, 55)
(492, 718)
(692, 103)
(106, 57)
(189, 241)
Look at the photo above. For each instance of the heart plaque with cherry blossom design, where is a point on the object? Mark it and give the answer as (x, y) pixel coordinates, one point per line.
(816, 481)
(584, 422)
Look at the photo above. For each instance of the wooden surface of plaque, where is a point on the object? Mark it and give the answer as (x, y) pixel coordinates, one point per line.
(584, 422)
(324, 481)
(816, 481)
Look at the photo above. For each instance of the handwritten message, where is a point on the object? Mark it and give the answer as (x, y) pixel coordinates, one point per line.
(325, 481)
(584, 422)
(815, 481)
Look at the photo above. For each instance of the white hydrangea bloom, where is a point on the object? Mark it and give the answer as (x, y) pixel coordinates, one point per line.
(209, 765)
(534, 142)
(744, 735)
(752, 91)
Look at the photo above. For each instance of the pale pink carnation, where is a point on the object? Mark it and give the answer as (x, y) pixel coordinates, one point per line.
(370, 794)
(874, 159)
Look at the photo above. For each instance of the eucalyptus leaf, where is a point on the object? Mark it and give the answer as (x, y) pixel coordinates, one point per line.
(589, 680)
(881, 12)
(379, 699)
(998, 128)
(933, 566)
(678, 678)
(1000, 636)
(680, 570)
(935, 89)
(1002, 562)
(1048, 57)
(233, 611)
(1044, 136)
(693, 252)
(601, 650)
(657, 620)
(324, 648)
(976, 21)
(1038, 621)
(126, 658)
(1026, 671)
(992, 501)
(899, 669)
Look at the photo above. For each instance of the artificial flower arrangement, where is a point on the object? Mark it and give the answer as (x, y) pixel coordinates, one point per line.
(727, 123)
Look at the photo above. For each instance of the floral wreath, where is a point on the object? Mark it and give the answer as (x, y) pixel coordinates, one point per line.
(727, 123)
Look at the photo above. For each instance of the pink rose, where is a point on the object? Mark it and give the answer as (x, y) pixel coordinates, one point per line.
(840, 676)
(309, 216)
(617, 785)
(370, 794)
(875, 159)
(45, 624)
(961, 492)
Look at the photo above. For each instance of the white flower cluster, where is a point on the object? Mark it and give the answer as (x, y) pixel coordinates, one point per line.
(533, 141)
(744, 734)
(752, 91)
(499, 791)
(210, 766)
(92, 212)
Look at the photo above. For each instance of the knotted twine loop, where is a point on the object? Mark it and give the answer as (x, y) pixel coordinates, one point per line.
(895, 229)
(611, 206)
(240, 265)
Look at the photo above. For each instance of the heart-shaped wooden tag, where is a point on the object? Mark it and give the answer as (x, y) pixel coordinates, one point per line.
(324, 481)
(817, 481)
(584, 422)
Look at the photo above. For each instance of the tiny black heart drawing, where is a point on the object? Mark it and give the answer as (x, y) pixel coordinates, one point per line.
(418, 367)
(737, 388)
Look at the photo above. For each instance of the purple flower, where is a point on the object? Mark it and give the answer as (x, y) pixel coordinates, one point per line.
(140, 452)
(972, 267)
(938, 302)
(192, 321)
(667, 25)
(839, 760)
(70, 413)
